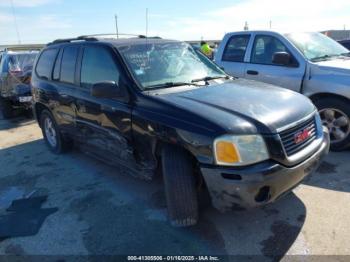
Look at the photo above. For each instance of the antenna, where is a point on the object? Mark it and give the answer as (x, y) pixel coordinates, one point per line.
(15, 21)
(116, 25)
(146, 22)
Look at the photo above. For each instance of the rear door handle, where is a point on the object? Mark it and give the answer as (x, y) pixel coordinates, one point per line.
(252, 72)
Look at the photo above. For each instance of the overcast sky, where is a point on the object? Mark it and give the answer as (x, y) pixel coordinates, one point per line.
(41, 21)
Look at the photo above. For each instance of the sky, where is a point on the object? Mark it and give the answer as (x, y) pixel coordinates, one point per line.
(41, 21)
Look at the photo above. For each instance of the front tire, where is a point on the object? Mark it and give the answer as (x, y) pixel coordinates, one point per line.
(335, 114)
(6, 108)
(180, 187)
(52, 135)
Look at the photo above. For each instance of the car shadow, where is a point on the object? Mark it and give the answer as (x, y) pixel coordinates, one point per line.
(115, 213)
(333, 173)
(14, 122)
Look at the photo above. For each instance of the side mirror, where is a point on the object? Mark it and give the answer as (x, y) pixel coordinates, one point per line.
(107, 89)
(281, 58)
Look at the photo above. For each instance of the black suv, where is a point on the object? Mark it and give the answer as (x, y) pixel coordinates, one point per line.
(15, 73)
(153, 103)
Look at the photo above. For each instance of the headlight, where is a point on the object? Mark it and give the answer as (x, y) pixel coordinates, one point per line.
(231, 150)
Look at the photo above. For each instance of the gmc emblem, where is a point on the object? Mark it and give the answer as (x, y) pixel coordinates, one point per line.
(301, 136)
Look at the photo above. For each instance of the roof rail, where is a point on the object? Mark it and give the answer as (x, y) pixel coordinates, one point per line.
(69, 40)
(114, 34)
(95, 37)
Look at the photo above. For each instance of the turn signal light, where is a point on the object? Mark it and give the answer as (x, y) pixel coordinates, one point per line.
(226, 152)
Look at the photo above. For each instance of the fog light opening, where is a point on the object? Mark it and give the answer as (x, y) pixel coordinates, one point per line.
(231, 176)
(263, 194)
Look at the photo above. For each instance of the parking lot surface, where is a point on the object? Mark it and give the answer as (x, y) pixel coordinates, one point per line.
(104, 210)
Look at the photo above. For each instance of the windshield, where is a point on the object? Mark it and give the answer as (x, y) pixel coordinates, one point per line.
(154, 65)
(21, 62)
(317, 46)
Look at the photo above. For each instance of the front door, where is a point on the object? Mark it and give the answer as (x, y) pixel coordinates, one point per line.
(104, 123)
(261, 68)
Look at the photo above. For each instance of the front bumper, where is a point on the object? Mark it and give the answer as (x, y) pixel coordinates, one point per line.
(260, 184)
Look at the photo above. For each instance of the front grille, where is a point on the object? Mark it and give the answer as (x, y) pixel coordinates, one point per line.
(288, 136)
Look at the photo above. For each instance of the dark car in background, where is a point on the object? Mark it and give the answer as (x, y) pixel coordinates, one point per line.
(345, 43)
(157, 105)
(15, 74)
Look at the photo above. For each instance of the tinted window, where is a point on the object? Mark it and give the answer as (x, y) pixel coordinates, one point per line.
(56, 70)
(45, 63)
(98, 66)
(264, 49)
(236, 48)
(69, 59)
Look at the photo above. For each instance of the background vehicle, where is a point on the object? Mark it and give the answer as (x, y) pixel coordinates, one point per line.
(309, 63)
(152, 103)
(15, 73)
(345, 43)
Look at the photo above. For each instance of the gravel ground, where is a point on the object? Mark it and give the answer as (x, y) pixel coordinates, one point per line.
(104, 210)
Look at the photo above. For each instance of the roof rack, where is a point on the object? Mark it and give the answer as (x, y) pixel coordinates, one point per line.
(115, 35)
(69, 40)
(96, 37)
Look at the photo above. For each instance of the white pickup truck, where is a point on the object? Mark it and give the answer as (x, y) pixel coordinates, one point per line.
(309, 63)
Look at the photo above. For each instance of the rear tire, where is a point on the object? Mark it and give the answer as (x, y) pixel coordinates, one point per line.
(6, 108)
(180, 187)
(335, 114)
(52, 135)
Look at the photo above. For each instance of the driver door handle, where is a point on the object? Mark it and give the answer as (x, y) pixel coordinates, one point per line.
(252, 72)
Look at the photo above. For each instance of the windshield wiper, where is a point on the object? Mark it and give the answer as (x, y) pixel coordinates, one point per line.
(324, 57)
(208, 78)
(169, 85)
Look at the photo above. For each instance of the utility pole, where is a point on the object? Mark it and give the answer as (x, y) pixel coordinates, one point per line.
(15, 21)
(146, 22)
(246, 27)
(116, 25)
(270, 24)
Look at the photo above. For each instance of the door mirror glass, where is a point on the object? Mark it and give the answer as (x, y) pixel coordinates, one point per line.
(107, 89)
(281, 58)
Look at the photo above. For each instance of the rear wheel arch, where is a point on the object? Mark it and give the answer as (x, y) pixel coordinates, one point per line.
(39, 108)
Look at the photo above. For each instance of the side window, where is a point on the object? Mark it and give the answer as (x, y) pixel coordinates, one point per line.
(45, 63)
(235, 48)
(264, 48)
(57, 68)
(69, 59)
(97, 66)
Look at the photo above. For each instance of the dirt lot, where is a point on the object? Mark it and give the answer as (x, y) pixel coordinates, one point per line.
(103, 210)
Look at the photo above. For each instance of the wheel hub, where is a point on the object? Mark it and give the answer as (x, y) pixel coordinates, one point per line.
(50, 132)
(337, 122)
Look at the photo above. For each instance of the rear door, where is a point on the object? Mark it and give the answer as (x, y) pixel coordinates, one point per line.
(261, 68)
(64, 82)
(104, 122)
(231, 57)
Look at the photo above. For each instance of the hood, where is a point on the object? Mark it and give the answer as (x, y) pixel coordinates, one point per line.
(242, 105)
(339, 65)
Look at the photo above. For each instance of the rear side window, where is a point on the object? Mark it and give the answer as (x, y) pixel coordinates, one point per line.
(235, 48)
(69, 59)
(45, 63)
(98, 66)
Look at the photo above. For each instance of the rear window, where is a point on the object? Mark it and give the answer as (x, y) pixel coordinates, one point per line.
(45, 63)
(21, 62)
(69, 59)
